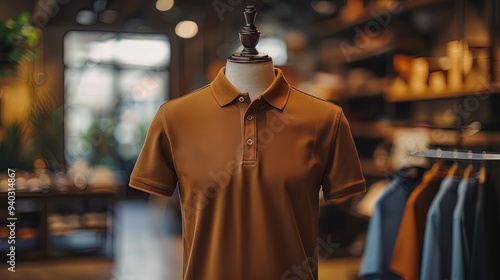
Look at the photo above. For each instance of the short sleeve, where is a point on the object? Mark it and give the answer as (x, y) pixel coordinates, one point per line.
(343, 176)
(154, 170)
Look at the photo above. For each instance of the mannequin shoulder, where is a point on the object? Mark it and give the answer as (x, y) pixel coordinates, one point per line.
(308, 99)
(188, 100)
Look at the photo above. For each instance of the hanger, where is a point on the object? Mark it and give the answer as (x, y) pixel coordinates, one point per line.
(457, 156)
(437, 165)
(455, 168)
(454, 155)
(482, 174)
(469, 171)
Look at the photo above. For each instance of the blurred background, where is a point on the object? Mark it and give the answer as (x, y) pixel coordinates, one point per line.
(80, 82)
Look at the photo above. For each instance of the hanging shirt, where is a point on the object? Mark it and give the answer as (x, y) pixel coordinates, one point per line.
(436, 256)
(407, 252)
(485, 251)
(463, 228)
(384, 224)
(249, 175)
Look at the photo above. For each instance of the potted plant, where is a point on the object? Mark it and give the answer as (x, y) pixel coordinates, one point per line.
(18, 39)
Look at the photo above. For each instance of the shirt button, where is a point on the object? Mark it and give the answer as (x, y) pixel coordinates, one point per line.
(241, 99)
(249, 142)
(249, 117)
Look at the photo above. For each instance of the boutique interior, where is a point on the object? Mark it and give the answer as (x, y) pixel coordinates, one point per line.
(418, 81)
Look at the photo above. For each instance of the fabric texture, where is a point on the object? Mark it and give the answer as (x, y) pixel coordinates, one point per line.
(407, 253)
(384, 225)
(463, 225)
(436, 256)
(485, 251)
(249, 176)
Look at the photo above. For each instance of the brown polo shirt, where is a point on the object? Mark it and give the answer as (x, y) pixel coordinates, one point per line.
(249, 176)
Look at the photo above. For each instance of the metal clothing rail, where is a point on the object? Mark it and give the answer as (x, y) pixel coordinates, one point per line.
(456, 155)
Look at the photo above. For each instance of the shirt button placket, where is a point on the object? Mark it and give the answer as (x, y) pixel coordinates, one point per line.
(250, 133)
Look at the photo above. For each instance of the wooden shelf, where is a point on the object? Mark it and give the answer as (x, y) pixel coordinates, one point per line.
(364, 94)
(357, 95)
(378, 129)
(56, 194)
(335, 25)
(467, 91)
(367, 54)
(334, 53)
(483, 138)
(46, 197)
(448, 137)
(373, 91)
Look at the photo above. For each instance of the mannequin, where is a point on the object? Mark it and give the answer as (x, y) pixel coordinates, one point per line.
(242, 179)
(253, 78)
(248, 70)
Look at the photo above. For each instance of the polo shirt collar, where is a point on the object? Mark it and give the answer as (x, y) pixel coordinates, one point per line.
(276, 94)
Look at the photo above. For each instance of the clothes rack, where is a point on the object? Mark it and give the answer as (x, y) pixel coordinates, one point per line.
(455, 154)
(444, 225)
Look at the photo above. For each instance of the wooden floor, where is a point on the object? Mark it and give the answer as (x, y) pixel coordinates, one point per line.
(339, 269)
(60, 270)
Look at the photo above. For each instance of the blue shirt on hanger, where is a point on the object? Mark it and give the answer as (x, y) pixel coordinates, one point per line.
(436, 257)
(485, 242)
(463, 228)
(384, 224)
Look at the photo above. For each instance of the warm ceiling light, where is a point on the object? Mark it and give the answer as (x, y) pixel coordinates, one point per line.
(186, 29)
(324, 7)
(164, 5)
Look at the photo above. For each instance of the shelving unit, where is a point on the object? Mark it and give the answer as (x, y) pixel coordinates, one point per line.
(407, 109)
(42, 245)
(479, 90)
(336, 25)
(377, 129)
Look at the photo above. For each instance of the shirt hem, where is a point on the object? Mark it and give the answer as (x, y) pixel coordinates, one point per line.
(351, 189)
(151, 189)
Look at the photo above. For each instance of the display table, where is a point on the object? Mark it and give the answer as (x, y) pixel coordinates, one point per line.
(46, 238)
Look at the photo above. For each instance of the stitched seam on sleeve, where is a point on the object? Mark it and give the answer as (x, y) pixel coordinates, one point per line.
(351, 188)
(143, 185)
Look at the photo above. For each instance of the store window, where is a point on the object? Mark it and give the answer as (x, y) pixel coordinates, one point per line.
(114, 84)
